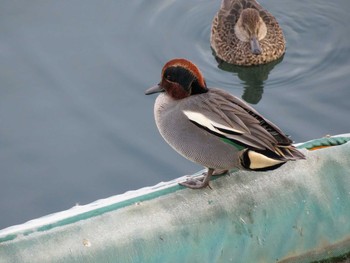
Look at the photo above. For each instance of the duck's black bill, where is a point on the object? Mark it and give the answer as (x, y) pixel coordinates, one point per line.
(255, 46)
(154, 89)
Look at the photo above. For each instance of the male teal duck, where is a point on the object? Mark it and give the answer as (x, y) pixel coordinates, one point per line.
(244, 33)
(213, 128)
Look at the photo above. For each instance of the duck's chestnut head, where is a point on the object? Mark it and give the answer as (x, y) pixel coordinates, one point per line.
(180, 78)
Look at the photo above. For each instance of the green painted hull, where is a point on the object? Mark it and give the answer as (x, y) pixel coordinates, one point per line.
(297, 213)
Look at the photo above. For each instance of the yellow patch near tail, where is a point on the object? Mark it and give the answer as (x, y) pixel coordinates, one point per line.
(259, 161)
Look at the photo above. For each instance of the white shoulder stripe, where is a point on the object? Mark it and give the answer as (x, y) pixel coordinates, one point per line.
(212, 125)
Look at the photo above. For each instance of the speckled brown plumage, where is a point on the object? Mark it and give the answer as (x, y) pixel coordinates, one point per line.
(230, 49)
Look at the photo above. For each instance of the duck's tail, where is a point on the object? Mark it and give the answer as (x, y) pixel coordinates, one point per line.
(258, 160)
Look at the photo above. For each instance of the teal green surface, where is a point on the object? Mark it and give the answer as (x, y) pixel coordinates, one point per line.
(327, 141)
(297, 213)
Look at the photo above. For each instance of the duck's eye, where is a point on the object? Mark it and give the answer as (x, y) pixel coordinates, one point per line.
(169, 77)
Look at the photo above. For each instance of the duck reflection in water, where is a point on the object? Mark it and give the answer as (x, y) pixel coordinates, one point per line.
(253, 78)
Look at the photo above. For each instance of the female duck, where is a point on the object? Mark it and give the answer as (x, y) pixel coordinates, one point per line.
(213, 128)
(243, 33)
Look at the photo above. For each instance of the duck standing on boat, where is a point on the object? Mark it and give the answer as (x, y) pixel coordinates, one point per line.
(213, 128)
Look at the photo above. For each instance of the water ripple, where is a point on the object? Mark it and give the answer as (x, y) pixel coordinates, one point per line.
(316, 39)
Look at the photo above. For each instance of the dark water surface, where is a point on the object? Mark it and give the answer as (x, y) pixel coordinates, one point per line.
(75, 125)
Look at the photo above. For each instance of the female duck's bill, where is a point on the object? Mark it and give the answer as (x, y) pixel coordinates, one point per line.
(243, 33)
(254, 43)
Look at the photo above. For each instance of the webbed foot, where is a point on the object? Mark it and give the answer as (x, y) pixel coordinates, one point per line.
(199, 183)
